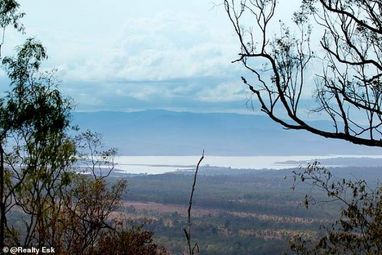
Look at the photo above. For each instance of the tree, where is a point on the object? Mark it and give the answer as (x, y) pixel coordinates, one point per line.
(60, 206)
(55, 204)
(347, 88)
(358, 230)
(90, 201)
(40, 153)
(9, 15)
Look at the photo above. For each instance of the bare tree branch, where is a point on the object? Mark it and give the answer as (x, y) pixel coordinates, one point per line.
(187, 230)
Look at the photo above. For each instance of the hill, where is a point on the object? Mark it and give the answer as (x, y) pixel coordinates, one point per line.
(159, 132)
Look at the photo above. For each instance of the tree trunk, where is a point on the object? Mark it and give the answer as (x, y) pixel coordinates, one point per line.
(2, 202)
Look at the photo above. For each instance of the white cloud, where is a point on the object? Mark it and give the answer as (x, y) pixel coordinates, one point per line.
(151, 50)
(167, 46)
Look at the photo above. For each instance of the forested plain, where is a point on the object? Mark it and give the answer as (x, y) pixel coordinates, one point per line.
(235, 211)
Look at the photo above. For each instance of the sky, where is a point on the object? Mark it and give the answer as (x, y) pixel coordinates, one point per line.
(125, 55)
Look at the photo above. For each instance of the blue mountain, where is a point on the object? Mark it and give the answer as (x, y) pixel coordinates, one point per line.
(158, 132)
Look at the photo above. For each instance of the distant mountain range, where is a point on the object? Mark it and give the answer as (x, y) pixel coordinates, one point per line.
(158, 132)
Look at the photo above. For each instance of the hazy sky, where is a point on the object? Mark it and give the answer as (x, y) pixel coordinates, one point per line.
(133, 55)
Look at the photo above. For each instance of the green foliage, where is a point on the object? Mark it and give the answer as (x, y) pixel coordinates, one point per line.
(10, 14)
(38, 152)
(358, 230)
(34, 107)
(60, 207)
(45, 202)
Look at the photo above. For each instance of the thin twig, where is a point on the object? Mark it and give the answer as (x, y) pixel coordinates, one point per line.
(187, 230)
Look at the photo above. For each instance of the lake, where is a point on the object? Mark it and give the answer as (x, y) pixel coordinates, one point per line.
(163, 164)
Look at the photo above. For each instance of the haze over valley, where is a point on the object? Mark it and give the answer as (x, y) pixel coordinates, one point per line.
(168, 133)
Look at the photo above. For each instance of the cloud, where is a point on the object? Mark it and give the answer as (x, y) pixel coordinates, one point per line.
(166, 46)
(166, 55)
(165, 58)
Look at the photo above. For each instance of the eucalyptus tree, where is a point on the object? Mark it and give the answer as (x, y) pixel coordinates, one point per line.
(347, 64)
(10, 15)
(39, 158)
(38, 152)
(330, 49)
(60, 206)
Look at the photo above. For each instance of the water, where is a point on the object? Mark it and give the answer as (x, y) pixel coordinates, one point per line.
(163, 164)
